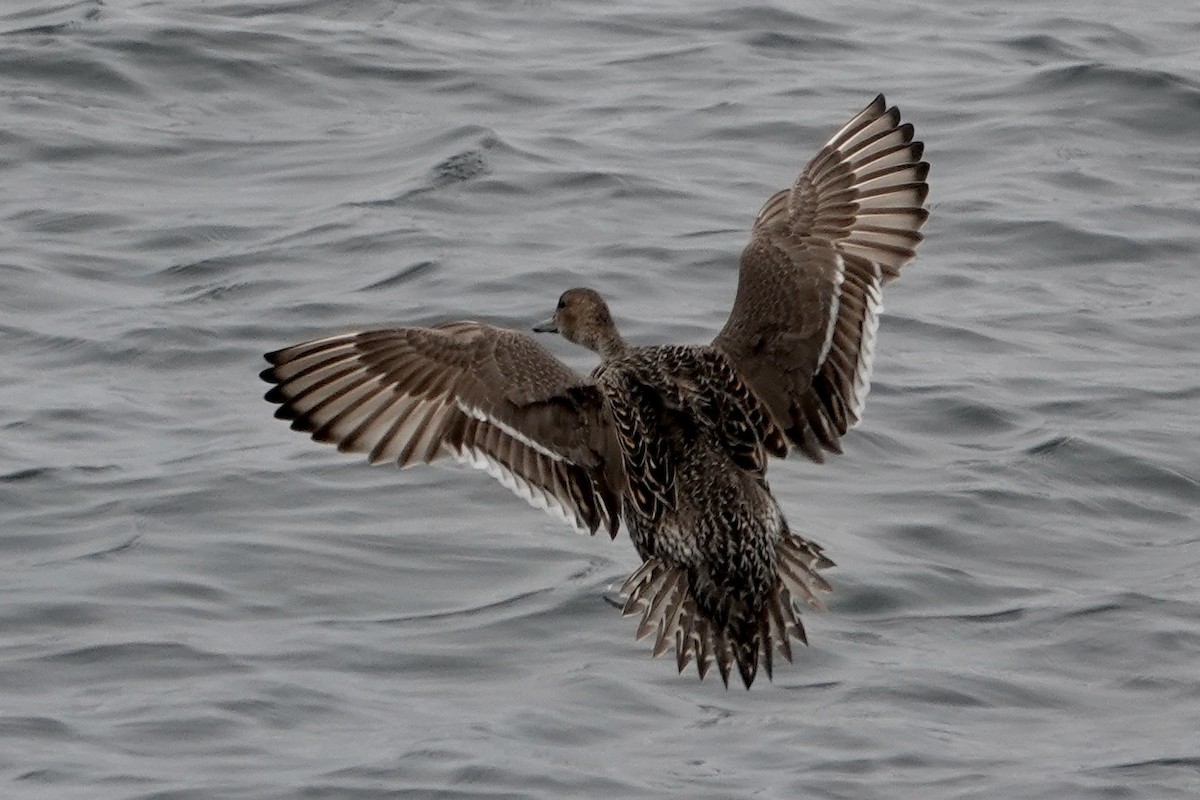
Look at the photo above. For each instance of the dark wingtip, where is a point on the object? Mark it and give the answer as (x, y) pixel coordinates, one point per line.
(303, 425)
(274, 394)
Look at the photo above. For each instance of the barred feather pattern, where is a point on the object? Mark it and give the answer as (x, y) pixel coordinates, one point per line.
(803, 325)
(746, 636)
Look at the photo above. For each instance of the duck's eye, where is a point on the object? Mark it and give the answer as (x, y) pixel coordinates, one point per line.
(562, 304)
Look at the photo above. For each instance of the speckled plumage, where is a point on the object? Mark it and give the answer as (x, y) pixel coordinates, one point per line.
(673, 440)
(700, 513)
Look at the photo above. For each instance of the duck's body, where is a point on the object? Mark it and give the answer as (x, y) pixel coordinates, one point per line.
(673, 440)
(720, 567)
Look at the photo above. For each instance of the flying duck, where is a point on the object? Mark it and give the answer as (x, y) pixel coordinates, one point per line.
(671, 440)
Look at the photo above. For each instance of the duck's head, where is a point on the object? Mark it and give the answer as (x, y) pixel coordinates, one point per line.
(582, 317)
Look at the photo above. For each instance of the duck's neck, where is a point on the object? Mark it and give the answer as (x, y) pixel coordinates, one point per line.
(609, 344)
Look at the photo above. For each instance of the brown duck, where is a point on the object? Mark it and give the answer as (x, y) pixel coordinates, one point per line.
(673, 440)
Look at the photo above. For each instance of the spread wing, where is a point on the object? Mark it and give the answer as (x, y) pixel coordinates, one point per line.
(802, 329)
(485, 396)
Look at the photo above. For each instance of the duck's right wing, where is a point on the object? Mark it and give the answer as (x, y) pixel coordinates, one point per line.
(486, 396)
(802, 330)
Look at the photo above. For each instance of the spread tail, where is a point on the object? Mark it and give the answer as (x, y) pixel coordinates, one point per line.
(750, 633)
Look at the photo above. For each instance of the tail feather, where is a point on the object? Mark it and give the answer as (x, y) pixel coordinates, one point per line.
(768, 651)
(780, 629)
(663, 596)
(639, 587)
(671, 619)
(684, 647)
(704, 654)
(722, 654)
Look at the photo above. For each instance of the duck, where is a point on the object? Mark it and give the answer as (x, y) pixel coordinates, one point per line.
(671, 441)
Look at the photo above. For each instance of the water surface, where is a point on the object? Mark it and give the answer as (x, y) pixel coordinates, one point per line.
(199, 603)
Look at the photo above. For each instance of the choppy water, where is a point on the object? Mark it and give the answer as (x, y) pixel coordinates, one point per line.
(197, 603)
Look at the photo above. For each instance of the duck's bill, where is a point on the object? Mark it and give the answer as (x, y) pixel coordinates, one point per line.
(546, 326)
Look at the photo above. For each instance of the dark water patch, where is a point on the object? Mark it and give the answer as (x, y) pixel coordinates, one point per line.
(198, 596)
(214, 266)
(662, 56)
(1190, 764)
(367, 244)
(743, 18)
(39, 728)
(49, 776)
(466, 165)
(949, 337)
(304, 317)
(627, 251)
(50, 21)
(282, 706)
(875, 600)
(779, 41)
(148, 660)
(1112, 607)
(31, 473)
(1080, 460)
(51, 616)
(117, 549)
(211, 60)
(1143, 509)
(403, 275)
(1136, 94)
(470, 617)
(1049, 446)
(932, 695)
(389, 73)
(927, 537)
(1066, 245)
(460, 167)
(191, 236)
(610, 184)
(991, 617)
(342, 254)
(951, 415)
(1110, 77)
(74, 70)
(178, 734)
(760, 130)
(176, 794)
(1075, 180)
(1041, 47)
(166, 346)
(44, 221)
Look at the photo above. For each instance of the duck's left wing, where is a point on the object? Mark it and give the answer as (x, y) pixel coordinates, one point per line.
(489, 397)
(802, 329)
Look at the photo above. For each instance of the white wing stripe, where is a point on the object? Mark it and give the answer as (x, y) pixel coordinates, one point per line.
(834, 306)
(866, 347)
(536, 497)
(483, 416)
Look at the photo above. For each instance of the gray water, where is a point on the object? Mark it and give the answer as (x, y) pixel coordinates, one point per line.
(198, 603)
